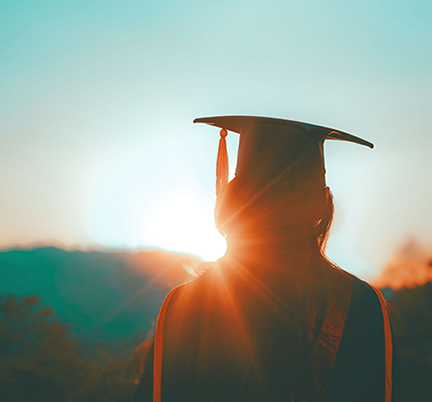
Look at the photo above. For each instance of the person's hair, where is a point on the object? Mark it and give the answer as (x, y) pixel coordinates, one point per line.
(323, 226)
(239, 212)
(242, 210)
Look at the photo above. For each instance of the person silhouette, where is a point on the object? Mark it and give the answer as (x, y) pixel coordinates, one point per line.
(274, 319)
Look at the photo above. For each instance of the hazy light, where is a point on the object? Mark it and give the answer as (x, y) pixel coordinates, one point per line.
(183, 224)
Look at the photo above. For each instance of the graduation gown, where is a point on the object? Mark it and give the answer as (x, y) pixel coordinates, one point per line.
(216, 340)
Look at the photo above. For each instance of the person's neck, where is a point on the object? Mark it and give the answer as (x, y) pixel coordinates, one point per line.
(274, 246)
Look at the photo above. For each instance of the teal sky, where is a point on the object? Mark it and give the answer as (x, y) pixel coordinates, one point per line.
(97, 144)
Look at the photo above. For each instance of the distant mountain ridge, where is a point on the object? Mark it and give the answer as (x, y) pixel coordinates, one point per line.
(104, 295)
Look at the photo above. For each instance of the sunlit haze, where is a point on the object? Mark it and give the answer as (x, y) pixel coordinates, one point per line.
(183, 224)
(97, 144)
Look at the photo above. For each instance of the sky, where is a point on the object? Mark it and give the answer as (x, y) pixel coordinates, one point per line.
(97, 99)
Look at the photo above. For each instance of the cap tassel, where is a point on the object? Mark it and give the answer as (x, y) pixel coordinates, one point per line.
(221, 166)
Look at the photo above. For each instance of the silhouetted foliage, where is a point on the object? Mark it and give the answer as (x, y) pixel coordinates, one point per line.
(39, 362)
(108, 301)
(412, 328)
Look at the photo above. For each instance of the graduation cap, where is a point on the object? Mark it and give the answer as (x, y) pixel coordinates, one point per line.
(276, 153)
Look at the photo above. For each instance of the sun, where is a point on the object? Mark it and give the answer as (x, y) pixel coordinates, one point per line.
(183, 224)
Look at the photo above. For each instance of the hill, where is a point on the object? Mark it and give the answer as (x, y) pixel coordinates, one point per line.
(103, 295)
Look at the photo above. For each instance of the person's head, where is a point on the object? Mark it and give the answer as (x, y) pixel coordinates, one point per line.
(279, 193)
(273, 216)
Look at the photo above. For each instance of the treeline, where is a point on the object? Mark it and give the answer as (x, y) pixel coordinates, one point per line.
(411, 310)
(83, 346)
(39, 363)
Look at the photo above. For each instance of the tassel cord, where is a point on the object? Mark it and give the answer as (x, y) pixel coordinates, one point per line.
(222, 166)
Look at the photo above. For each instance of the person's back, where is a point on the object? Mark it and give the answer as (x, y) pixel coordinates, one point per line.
(358, 373)
(231, 335)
